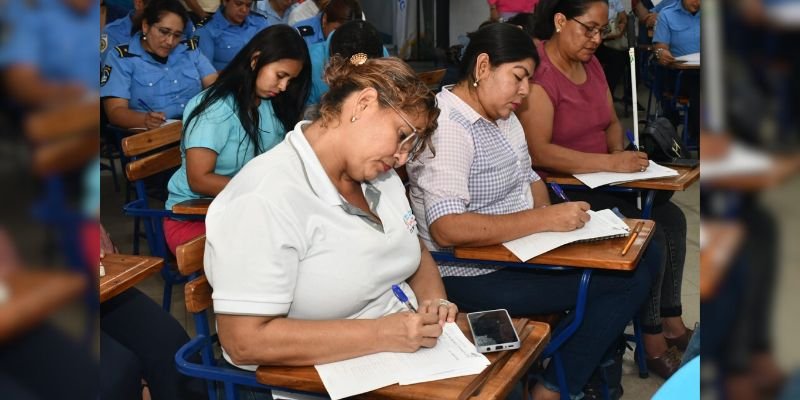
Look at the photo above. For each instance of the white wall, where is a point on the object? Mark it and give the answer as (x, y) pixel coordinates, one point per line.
(466, 16)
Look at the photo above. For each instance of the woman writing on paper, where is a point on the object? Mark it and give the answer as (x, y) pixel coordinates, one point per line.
(571, 127)
(479, 190)
(305, 242)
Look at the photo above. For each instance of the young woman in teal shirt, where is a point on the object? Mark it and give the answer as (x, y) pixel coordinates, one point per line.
(243, 114)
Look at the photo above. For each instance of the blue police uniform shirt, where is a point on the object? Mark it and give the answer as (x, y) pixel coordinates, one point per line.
(133, 74)
(265, 9)
(52, 37)
(220, 130)
(220, 40)
(119, 33)
(311, 29)
(319, 53)
(678, 29)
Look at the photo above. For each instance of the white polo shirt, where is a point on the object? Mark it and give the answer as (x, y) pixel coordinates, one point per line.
(282, 241)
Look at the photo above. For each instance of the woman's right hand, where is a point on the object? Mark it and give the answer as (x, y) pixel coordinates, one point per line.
(629, 161)
(565, 217)
(154, 119)
(406, 332)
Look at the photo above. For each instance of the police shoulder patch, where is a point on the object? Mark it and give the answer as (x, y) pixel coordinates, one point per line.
(122, 50)
(105, 73)
(203, 21)
(191, 43)
(306, 30)
(103, 42)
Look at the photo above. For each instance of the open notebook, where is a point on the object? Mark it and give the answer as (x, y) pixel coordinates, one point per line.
(596, 179)
(604, 224)
(454, 355)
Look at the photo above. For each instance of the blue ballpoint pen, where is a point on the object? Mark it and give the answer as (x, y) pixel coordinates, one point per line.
(147, 107)
(630, 138)
(559, 191)
(402, 297)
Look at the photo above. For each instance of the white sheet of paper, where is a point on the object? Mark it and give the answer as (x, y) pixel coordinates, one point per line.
(603, 223)
(597, 179)
(691, 59)
(452, 356)
(740, 160)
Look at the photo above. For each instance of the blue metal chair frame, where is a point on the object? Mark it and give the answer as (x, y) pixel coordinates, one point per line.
(209, 370)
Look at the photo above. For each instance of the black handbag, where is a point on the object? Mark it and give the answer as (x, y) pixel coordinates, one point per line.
(661, 142)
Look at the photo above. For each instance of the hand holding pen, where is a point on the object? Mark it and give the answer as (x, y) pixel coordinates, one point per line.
(629, 161)
(152, 119)
(408, 331)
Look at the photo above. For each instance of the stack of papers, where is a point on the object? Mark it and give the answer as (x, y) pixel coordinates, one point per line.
(740, 160)
(603, 224)
(597, 179)
(690, 59)
(454, 355)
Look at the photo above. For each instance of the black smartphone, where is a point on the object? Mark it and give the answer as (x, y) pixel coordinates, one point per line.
(493, 331)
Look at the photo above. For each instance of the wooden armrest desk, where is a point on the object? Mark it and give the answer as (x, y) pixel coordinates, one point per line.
(497, 387)
(125, 271)
(34, 295)
(685, 178)
(192, 207)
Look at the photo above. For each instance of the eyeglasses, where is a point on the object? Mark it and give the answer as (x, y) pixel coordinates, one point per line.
(591, 32)
(165, 32)
(412, 143)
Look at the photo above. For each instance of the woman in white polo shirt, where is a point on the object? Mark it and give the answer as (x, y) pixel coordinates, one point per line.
(305, 242)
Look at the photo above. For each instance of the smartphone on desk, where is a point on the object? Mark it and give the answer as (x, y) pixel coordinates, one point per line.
(492, 331)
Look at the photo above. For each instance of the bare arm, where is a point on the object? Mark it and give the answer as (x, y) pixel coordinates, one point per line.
(26, 86)
(259, 340)
(427, 285)
(209, 79)
(540, 196)
(120, 115)
(200, 165)
(538, 127)
(614, 130)
(665, 57)
(474, 230)
(537, 121)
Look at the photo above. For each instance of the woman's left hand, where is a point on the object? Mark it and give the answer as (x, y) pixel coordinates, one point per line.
(446, 310)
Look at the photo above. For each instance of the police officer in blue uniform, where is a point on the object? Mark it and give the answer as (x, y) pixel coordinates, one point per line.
(352, 37)
(228, 30)
(337, 12)
(151, 78)
(120, 31)
(276, 11)
(43, 54)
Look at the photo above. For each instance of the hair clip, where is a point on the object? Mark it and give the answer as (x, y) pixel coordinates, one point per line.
(358, 59)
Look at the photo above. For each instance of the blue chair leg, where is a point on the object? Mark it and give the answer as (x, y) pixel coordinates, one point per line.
(640, 354)
(230, 391)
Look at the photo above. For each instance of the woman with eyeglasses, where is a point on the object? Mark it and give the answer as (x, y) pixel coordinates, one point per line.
(246, 112)
(479, 190)
(305, 242)
(228, 30)
(152, 78)
(571, 127)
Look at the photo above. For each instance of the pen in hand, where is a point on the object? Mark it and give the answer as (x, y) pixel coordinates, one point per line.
(398, 292)
(558, 191)
(630, 139)
(148, 108)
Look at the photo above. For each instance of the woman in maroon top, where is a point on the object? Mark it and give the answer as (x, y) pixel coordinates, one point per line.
(571, 126)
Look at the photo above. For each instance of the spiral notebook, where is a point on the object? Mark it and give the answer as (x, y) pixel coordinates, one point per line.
(603, 224)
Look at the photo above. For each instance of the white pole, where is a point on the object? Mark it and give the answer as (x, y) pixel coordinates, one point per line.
(634, 101)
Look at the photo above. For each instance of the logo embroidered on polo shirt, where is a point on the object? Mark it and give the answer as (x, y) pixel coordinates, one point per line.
(410, 221)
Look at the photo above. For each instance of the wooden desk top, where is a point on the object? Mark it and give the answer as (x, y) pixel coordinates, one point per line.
(603, 254)
(125, 271)
(784, 167)
(35, 295)
(497, 387)
(192, 207)
(724, 239)
(686, 176)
